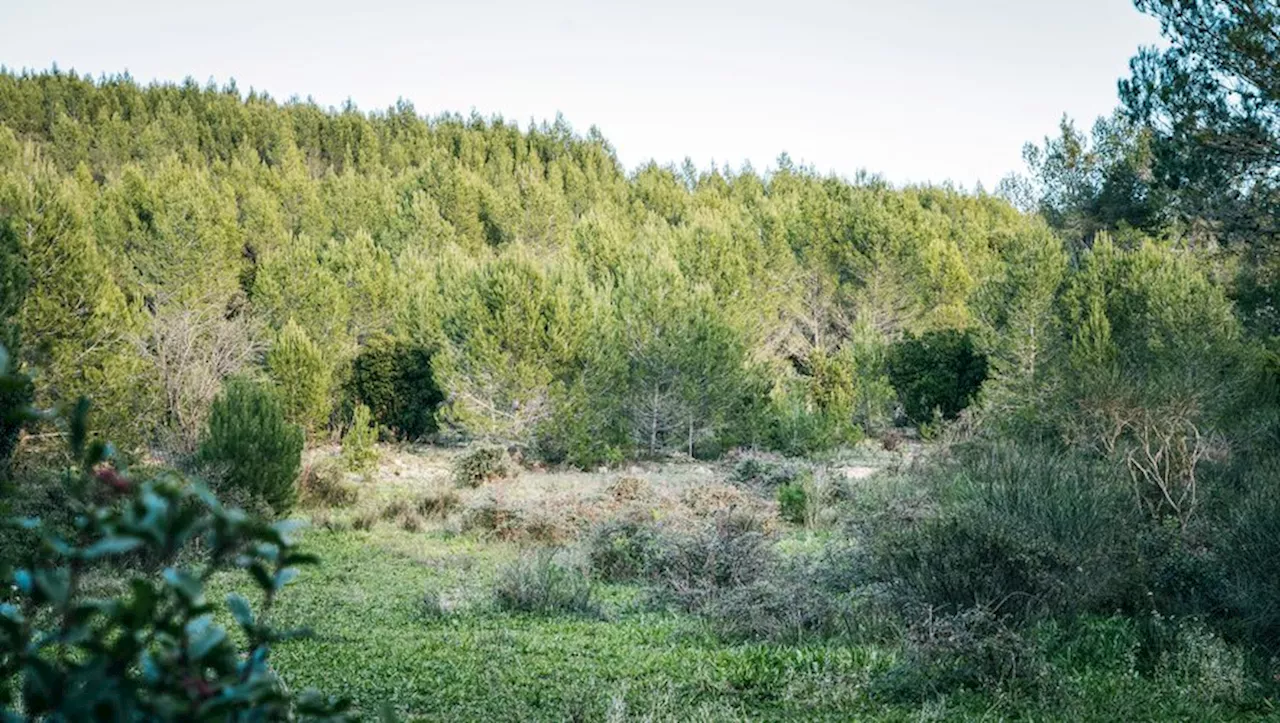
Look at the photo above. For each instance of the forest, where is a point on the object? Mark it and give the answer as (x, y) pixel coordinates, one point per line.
(767, 444)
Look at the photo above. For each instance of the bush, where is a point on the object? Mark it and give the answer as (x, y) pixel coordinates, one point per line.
(803, 595)
(156, 652)
(624, 549)
(251, 447)
(325, 484)
(793, 503)
(940, 370)
(302, 377)
(544, 583)
(728, 551)
(439, 503)
(16, 392)
(480, 465)
(764, 470)
(395, 380)
(1022, 531)
(974, 648)
(358, 451)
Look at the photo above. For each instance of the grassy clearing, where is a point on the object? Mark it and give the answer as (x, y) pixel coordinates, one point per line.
(406, 619)
(427, 620)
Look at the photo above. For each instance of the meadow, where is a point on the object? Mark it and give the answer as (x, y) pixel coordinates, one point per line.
(412, 609)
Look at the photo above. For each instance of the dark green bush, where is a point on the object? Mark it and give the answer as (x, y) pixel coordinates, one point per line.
(16, 392)
(940, 370)
(480, 465)
(793, 502)
(1249, 555)
(250, 447)
(395, 380)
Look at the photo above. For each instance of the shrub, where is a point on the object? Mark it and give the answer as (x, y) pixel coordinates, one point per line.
(630, 489)
(793, 504)
(940, 370)
(1022, 530)
(544, 583)
(156, 652)
(763, 470)
(325, 484)
(730, 550)
(480, 465)
(494, 517)
(358, 451)
(1249, 552)
(974, 648)
(395, 380)
(1203, 663)
(301, 376)
(438, 503)
(250, 446)
(624, 549)
(806, 594)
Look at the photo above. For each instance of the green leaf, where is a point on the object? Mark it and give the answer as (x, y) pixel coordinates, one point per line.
(240, 609)
(202, 637)
(111, 546)
(184, 584)
(285, 576)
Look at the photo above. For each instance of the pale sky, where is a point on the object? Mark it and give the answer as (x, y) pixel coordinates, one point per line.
(916, 90)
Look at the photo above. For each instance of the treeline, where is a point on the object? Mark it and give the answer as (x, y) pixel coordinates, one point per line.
(461, 274)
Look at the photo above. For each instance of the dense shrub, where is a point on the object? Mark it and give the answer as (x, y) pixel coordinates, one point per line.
(764, 470)
(359, 453)
(940, 370)
(1021, 531)
(16, 392)
(480, 465)
(793, 504)
(815, 593)
(543, 582)
(624, 549)
(1249, 555)
(250, 446)
(727, 551)
(302, 377)
(438, 503)
(395, 380)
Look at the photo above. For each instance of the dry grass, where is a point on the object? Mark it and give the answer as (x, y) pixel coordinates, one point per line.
(413, 488)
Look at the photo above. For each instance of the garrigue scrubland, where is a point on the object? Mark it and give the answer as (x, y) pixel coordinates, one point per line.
(576, 443)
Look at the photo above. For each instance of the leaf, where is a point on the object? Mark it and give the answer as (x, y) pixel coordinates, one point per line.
(184, 584)
(54, 583)
(285, 576)
(114, 545)
(202, 637)
(240, 610)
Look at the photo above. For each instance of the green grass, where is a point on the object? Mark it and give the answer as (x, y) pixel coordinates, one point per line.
(407, 620)
(380, 643)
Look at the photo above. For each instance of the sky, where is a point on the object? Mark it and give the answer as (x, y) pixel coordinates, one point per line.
(915, 90)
